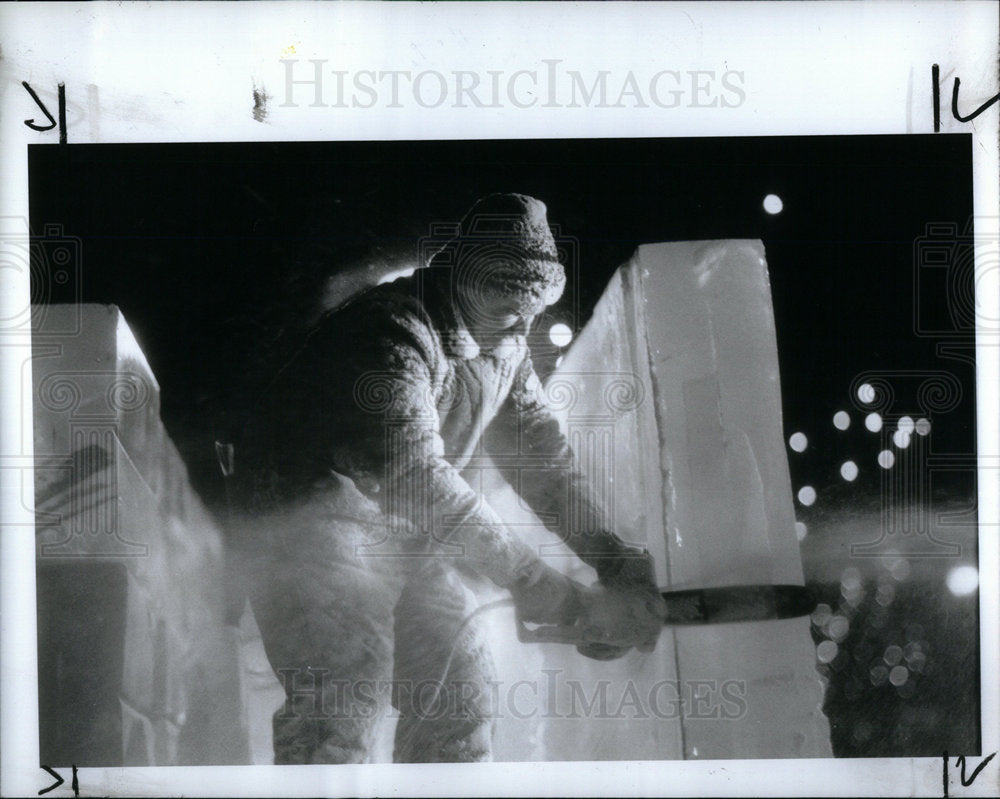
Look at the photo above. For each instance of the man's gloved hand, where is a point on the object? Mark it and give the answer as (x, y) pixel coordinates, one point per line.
(632, 608)
(546, 596)
(609, 619)
(614, 620)
(629, 567)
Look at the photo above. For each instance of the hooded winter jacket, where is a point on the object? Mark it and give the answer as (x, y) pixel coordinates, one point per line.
(389, 400)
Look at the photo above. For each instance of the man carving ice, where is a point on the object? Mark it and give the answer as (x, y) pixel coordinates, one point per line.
(363, 529)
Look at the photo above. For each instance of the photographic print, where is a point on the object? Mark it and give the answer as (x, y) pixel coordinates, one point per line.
(716, 325)
(614, 447)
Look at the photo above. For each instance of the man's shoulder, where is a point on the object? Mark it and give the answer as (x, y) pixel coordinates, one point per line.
(401, 299)
(390, 312)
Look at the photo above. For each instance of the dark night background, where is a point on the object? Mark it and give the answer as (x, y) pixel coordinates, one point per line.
(220, 255)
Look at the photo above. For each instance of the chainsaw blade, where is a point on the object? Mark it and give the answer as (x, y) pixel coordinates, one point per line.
(737, 603)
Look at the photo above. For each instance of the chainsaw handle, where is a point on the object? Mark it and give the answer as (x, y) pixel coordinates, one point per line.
(604, 614)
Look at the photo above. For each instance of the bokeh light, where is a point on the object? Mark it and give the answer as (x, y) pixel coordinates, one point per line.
(853, 597)
(841, 420)
(917, 662)
(866, 393)
(821, 615)
(798, 442)
(963, 580)
(885, 594)
(560, 334)
(867, 641)
(850, 577)
(899, 569)
(838, 628)
(773, 204)
(801, 531)
(826, 651)
(807, 495)
(899, 675)
(851, 588)
(879, 674)
(873, 422)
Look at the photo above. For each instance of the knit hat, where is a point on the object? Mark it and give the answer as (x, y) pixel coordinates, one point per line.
(504, 258)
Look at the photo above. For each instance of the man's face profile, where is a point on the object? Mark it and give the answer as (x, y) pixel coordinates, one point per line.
(489, 315)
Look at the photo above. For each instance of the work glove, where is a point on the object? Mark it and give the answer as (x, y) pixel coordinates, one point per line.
(628, 568)
(546, 596)
(628, 612)
(613, 621)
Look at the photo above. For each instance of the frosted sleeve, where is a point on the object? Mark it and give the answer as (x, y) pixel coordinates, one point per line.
(527, 433)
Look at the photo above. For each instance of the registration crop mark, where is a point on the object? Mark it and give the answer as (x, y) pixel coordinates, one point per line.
(960, 762)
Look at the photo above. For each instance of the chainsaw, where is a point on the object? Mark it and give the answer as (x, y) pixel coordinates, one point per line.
(698, 606)
(689, 607)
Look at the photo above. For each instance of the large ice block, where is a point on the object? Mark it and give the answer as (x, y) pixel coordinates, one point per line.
(129, 562)
(675, 415)
(734, 494)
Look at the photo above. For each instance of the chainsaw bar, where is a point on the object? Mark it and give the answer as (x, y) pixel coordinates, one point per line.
(695, 606)
(737, 603)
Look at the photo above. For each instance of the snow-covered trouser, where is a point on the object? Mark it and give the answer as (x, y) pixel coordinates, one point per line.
(349, 625)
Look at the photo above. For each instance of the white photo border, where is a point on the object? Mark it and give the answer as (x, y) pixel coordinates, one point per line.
(177, 72)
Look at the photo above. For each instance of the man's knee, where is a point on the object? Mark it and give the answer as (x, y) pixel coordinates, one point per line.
(472, 742)
(310, 743)
(444, 723)
(447, 740)
(334, 723)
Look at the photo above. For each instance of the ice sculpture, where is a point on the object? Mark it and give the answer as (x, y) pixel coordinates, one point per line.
(671, 397)
(137, 665)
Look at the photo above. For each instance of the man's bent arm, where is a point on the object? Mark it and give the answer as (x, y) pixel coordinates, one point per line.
(527, 433)
(397, 440)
